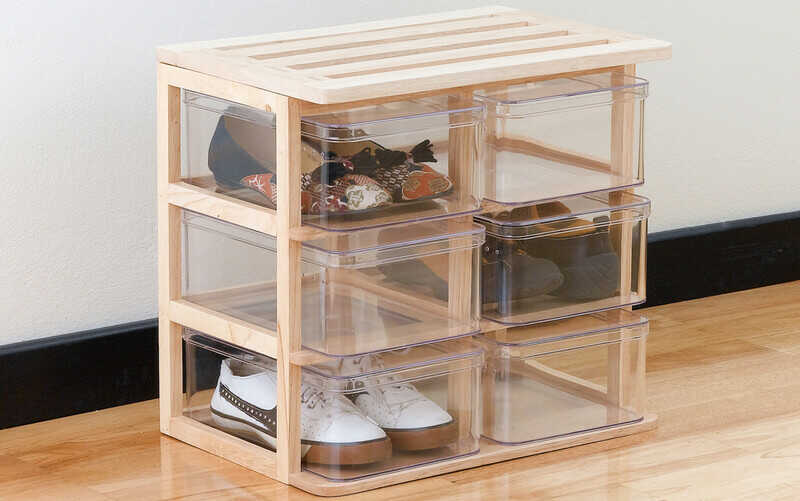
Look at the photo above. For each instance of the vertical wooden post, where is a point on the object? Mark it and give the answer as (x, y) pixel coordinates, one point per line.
(622, 163)
(289, 286)
(461, 159)
(168, 114)
(488, 152)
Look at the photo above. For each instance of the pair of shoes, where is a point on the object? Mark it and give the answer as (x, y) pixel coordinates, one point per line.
(575, 259)
(509, 273)
(335, 430)
(359, 177)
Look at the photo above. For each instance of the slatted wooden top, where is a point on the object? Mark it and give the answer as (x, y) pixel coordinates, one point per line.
(413, 54)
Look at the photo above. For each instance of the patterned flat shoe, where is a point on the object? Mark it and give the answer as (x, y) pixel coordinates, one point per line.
(366, 179)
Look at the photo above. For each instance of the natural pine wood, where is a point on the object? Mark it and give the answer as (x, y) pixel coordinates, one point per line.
(169, 247)
(287, 73)
(622, 156)
(414, 54)
(233, 330)
(223, 207)
(287, 112)
(722, 374)
(218, 87)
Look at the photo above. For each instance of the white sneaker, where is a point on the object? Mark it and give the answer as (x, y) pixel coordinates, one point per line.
(332, 429)
(412, 420)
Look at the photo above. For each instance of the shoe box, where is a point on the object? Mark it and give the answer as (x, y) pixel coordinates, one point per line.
(360, 415)
(553, 139)
(564, 258)
(560, 249)
(557, 378)
(361, 167)
(362, 291)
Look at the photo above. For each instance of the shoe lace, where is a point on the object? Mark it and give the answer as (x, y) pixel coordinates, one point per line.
(311, 396)
(375, 362)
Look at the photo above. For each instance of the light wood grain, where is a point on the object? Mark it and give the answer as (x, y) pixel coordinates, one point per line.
(489, 453)
(539, 149)
(287, 112)
(622, 160)
(168, 113)
(415, 54)
(233, 330)
(317, 33)
(413, 47)
(218, 87)
(223, 444)
(219, 206)
(722, 374)
(456, 55)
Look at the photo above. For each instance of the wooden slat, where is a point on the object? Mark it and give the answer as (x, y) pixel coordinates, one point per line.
(411, 47)
(560, 380)
(489, 453)
(308, 357)
(219, 87)
(273, 61)
(240, 42)
(310, 108)
(392, 292)
(305, 233)
(493, 70)
(225, 327)
(223, 444)
(539, 149)
(378, 37)
(468, 54)
(223, 207)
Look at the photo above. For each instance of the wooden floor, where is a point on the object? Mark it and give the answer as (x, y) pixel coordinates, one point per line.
(723, 374)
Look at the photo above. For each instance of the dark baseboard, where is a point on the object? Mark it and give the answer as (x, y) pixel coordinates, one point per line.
(86, 371)
(718, 258)
(81, 372)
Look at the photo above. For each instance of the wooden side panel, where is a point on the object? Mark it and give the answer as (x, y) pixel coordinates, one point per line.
(169, 250)
(461, 169)
(289, 286)
(622, 161)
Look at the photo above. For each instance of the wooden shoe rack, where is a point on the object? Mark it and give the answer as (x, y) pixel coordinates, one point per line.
(299, 73)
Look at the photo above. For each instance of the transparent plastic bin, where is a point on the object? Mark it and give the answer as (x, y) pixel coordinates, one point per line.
(555, 138)
(564, 258)
(570, 376)
(364, 167)
(359, 415)
(362, 291)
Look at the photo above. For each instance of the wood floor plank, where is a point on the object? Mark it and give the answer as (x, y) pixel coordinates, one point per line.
(723, 375)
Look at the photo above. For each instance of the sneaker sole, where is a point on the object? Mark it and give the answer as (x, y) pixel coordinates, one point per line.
(357, 453)
(420, 439)
(371, 451)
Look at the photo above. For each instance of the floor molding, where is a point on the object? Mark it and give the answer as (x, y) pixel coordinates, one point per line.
(80, 372)
(85, 371)
(725, 257)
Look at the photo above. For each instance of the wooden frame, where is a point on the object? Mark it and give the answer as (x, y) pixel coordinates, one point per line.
(295, 73)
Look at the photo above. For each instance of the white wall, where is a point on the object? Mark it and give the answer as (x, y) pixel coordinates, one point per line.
(77, 141)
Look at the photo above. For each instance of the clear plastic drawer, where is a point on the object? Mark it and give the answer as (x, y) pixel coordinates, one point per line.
(359, 415)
